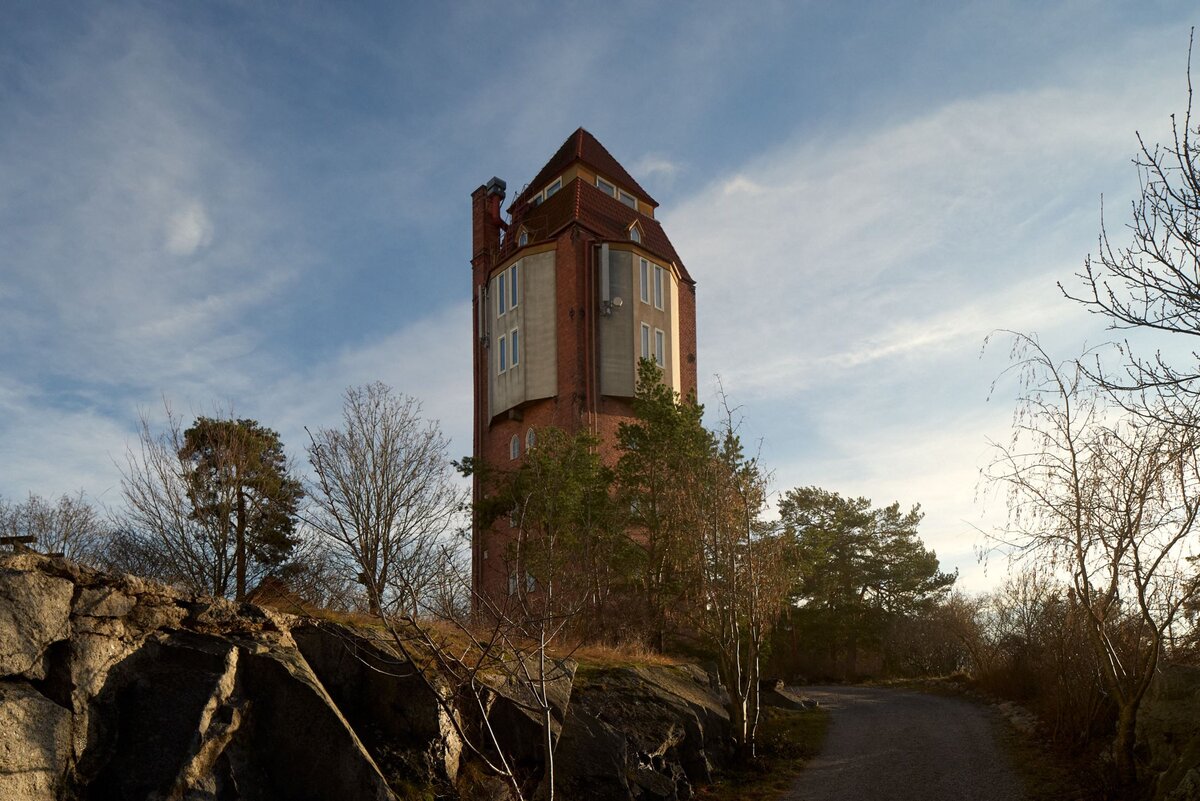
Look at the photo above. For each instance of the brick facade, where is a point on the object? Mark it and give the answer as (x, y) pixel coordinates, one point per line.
(575, 222)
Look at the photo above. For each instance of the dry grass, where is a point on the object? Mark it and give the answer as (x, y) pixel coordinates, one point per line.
(604, 655)
(457, 639)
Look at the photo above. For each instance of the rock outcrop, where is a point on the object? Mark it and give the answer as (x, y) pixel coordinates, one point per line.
(115, 688)
(641, 733)
(118, 688)
(1168, 736)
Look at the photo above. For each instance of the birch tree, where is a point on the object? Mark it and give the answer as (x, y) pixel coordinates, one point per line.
(1112, 500)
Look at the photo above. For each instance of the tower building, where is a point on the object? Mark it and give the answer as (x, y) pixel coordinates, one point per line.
(569, 293)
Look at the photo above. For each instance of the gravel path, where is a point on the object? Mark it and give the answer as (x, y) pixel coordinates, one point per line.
(898, 745)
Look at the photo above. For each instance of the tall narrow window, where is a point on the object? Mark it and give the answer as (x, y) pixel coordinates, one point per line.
(660, 350)
(658, 287)
(502, 354)
(635, 235)
(645, 341)
(512, 280)
(514, 447)
(530, 439)
(523, 239)
(645, 281)
(514, 344)
(605, 187)
(512, 582)
(501, 294)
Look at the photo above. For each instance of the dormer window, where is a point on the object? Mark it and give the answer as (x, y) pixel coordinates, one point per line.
(546, 193)
(635, 233)
(605, 187)
(626, 198)
(522, 238)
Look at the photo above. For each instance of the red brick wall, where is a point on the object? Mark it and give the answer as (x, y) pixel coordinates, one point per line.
(578, 402)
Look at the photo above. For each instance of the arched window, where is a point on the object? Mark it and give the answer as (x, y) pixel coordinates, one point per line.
(530, 439)
(514, 447)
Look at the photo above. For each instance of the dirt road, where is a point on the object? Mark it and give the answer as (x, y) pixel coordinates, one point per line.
(898, 745)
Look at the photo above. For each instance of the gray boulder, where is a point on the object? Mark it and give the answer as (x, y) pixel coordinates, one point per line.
(35, 743)
(116, 688)
(1168, 734)
(641, 733)
(35, 610)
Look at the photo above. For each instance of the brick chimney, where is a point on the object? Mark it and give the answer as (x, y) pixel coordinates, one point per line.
(485, 218)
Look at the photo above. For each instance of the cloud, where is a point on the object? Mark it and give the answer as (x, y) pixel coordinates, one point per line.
(188, 230)
(428, 358)
(846, 284)
(657, 167)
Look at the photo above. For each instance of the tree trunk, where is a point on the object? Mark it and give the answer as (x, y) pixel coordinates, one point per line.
(240, 549)
(1123, 746)
(548, 745)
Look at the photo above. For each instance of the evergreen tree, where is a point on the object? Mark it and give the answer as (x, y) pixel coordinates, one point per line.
(857, 569)
(239, 485)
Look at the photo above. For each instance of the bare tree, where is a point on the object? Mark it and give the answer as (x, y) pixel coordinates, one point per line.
(1153, 282)
(383, 492)
(1112, 500)
(70, 525)
(741, 580)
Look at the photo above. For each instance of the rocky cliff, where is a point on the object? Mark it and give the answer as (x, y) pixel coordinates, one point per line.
(116, 688)
(1168, 737)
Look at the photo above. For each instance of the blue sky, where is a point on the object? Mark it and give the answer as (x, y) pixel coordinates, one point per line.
(257, 205)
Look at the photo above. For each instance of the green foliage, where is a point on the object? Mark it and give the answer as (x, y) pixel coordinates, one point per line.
(238, 483)
(857, 569)
(574, 531)
(664, 452)
(570, 532)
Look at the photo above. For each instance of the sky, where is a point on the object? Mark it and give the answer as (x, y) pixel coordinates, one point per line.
(255, 205)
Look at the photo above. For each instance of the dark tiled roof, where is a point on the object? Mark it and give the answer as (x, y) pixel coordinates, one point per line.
(582, 146)
(606, 217)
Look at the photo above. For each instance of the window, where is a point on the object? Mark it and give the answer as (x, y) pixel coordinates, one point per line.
(523, 239)
(514, 341)
(658, 287)
(512, 281)
(530, 439)
(605, 187)
(634, 234)
(660, 350)
(626, 198)
(645, 281)
(501, 294)
(502, 354)
(530, 583)
(514, 451)
(645, 341)
(552, 188)
(512, 582)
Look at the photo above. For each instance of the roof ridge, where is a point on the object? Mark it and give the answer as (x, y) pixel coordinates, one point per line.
(582, 145)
